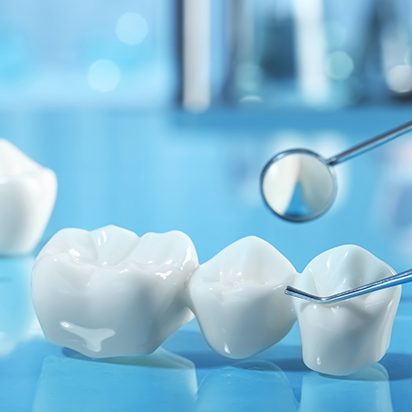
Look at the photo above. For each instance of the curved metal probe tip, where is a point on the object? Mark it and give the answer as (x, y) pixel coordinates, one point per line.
(297, 293)
(388, 282)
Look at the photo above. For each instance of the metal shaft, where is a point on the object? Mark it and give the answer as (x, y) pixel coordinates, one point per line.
(370, 144)
(388, 282)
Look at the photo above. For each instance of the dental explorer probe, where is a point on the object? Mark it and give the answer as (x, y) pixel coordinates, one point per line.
(388, 282)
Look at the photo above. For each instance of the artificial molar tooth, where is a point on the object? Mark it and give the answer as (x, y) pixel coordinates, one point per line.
(345, 337)
(238, 298)
(109, 293)
(28, 193)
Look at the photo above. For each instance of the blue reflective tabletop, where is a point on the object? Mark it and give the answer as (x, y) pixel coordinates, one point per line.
(151, 171)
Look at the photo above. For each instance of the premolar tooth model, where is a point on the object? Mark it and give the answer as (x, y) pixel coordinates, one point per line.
(342, 338)
(109, 293)
(238, 298)
(27, 193)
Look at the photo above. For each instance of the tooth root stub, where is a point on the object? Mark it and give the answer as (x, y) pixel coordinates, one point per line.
(345, 337)
(238, 298)
(28, 193)
(110, 293)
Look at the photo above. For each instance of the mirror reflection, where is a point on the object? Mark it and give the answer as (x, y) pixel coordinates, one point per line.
(18, 322)
(298, 185)
(254, 385)
(157, 382)
(367, 390)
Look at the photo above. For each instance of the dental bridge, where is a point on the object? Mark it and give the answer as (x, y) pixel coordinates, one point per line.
(110, 293)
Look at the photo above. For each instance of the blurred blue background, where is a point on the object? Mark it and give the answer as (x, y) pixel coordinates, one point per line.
(160, 115)
(203, 53)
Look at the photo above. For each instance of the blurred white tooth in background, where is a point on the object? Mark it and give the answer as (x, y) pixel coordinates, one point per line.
(27, 195)
(109, 293)
(238, 298)
(342, 338)
(366, 390)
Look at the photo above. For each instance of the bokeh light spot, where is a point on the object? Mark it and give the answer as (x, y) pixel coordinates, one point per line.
(132, 28)
(399, 78)
(104, 75)
(251, 98)
(339, 65)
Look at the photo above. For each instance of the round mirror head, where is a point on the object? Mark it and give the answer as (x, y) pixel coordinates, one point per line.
(298, 185)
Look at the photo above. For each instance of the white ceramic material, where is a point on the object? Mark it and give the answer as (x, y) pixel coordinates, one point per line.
(345, 337)
(109, 293)
(27, 195)
(238, 298)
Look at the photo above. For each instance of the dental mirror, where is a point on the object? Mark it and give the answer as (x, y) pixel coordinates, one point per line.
(299, 185)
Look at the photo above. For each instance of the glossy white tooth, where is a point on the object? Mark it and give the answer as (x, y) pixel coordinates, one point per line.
(238, 298)
(27, 193)
(343, 338)
(109, 292)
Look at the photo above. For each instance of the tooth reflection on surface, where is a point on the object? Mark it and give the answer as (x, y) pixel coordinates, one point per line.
(238, 298)
(246, 386)
(367, 390)
(160, 381)
(17, 318)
